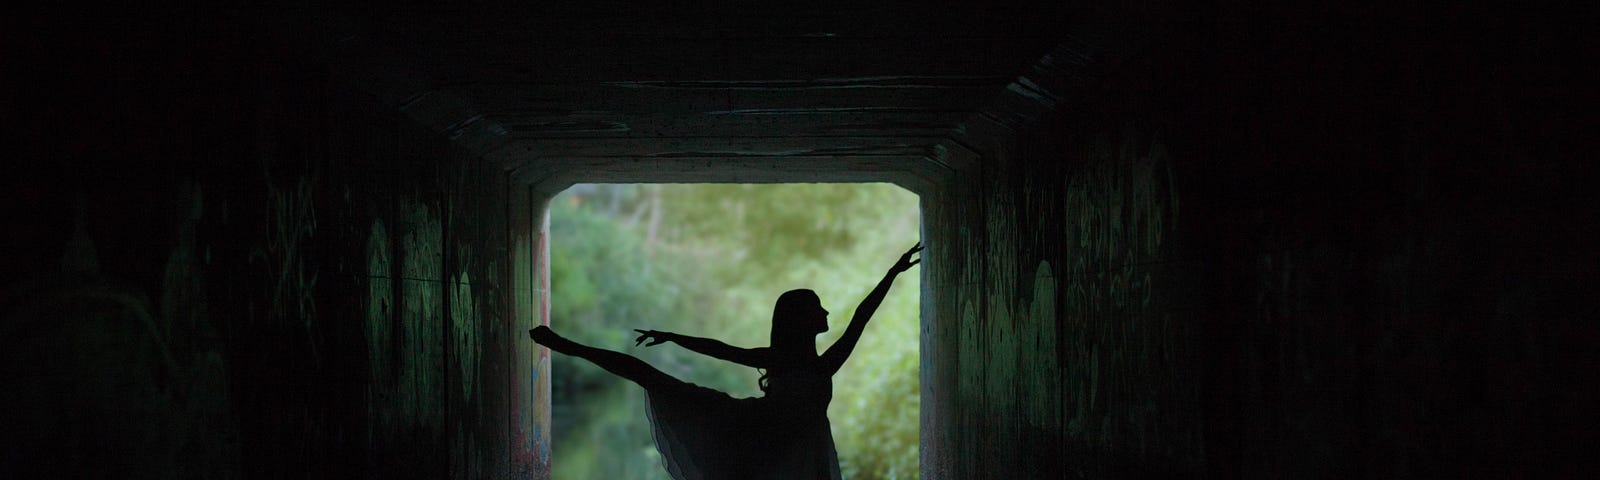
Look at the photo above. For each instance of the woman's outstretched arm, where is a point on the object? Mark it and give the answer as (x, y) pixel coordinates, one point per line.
(750, 357)
(840, 351)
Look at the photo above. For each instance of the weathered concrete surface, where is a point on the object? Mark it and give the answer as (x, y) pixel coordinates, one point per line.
(1225, 241)
(1303, 258)
(274, 277)
(1058, 349)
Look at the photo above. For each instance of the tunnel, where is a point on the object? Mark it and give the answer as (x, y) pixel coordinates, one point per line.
(1164, 239)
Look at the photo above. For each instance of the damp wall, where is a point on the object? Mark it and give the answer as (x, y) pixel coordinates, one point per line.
(230, 263)
(1260, 243)
(1060, 340)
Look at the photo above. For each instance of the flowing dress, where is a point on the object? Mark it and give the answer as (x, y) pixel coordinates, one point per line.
(704, 434)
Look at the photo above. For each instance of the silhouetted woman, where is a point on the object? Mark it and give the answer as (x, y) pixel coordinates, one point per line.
(784, 434)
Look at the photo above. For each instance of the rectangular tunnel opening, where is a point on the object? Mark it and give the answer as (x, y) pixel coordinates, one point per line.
(708, 260)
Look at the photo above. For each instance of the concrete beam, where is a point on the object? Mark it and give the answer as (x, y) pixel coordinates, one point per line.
(550, 176)
(517, 153)
(356, 56)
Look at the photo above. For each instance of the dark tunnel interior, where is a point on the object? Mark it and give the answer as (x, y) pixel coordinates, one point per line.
(1164, 239)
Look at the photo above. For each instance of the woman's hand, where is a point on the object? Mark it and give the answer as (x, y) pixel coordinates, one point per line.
(906, 261)
(543, 335)
(654, 337)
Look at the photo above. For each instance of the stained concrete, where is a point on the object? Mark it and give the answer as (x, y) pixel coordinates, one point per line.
(1224, 241)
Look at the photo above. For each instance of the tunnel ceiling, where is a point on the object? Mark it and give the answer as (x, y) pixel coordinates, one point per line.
(605, 80)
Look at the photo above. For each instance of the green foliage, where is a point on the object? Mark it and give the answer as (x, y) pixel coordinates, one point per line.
(709, 260)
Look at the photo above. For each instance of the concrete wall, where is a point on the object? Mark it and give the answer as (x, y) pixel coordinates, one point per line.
(1268, 243)
(1255, 243)
(1063, 337)
(225, 262)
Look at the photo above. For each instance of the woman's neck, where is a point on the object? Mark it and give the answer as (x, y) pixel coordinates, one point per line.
(798, 350)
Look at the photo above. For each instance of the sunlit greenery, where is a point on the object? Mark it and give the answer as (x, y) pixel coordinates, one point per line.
(709, 260)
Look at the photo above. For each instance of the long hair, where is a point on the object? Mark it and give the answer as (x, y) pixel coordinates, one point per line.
(790, 338)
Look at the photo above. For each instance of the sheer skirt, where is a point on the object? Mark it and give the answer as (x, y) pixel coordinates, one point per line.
(704, 434)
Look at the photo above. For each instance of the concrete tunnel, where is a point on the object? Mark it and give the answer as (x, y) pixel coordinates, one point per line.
(1218, 240)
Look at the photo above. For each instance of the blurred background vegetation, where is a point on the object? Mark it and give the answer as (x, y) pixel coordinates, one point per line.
(709, 260)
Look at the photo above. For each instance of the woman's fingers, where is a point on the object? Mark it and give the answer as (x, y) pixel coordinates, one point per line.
(906, 262)
(912, 251)
(647, 335)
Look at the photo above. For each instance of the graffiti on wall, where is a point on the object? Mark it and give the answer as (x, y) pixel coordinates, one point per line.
(292, 220)
(464, 332)
(421, 317)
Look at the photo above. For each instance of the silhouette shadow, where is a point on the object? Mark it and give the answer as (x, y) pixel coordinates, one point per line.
(703, 433)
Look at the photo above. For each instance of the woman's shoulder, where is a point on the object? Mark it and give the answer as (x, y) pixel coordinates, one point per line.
(802, 369)
(802, 379)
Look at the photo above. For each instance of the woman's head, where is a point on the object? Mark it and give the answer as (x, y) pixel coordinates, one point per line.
(797, 318)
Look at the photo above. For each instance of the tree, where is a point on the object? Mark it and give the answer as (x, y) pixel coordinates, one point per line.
(712, 264)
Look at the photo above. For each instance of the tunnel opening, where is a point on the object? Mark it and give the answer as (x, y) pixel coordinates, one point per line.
(708, 260)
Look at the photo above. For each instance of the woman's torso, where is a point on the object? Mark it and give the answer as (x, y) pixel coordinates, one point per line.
(806, 389)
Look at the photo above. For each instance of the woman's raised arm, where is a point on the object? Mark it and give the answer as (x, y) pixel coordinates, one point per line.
(834, 358)
(750, 357)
